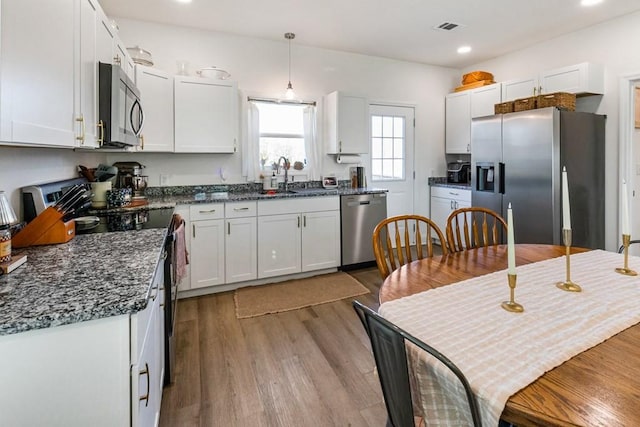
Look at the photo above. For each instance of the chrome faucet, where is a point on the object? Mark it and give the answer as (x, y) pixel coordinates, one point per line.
(285, 166)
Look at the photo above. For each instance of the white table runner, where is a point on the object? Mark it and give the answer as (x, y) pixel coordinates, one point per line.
(501, 352)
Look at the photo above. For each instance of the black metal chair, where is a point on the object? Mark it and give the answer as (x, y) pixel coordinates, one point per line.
(388, 345)
(631, 242)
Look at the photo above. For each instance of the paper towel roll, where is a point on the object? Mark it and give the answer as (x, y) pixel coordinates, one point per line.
(347, 158)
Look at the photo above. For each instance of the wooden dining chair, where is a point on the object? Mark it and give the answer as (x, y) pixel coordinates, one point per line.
(401, 239)
(474, 227)
(389, 351)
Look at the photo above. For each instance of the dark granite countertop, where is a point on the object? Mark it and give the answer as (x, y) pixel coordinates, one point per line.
(90, 277)
(106, 274)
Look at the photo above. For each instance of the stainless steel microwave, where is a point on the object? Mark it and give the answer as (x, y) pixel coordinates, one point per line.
(120, 114)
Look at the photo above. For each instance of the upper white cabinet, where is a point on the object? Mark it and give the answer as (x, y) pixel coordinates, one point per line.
(346, 123)
(458, 123)
(86, 100)
(484, 99)
(156, 93)
(109, 47)
(582, 79)
(37, 70)
(206, 115)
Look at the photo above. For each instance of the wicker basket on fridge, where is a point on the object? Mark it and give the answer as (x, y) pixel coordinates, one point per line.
(523, 104)
(562, 100)
(503, 107)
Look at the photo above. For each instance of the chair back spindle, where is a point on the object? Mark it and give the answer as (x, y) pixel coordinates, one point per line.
(474, 227)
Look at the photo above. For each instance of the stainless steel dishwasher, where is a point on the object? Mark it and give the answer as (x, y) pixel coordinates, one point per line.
(360, 213)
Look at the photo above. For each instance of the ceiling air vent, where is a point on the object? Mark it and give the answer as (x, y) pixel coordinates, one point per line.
(446, 26)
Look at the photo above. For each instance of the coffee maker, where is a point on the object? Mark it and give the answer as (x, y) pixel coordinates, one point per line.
(130, 175)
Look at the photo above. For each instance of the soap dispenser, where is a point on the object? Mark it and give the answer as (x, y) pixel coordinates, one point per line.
(274, 181)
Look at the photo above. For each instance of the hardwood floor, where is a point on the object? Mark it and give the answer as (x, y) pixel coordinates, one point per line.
(311, 366)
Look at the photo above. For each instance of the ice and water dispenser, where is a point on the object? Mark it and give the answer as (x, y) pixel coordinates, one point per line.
(485, 177)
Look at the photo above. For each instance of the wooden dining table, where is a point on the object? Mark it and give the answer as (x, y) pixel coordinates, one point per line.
(598, 387)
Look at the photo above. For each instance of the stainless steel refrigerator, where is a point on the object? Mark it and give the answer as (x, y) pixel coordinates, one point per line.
(518, 157)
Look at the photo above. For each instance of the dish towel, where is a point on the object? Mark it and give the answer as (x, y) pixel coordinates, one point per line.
(180, 255)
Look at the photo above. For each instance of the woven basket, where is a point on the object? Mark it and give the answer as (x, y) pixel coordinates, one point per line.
(503, 108)
(524, 104)
(476, 76)
(562, 100)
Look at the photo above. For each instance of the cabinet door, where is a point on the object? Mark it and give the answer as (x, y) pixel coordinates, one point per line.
(37, 72)
(458, 123)
(320, 240)
(583, 78)
(440, 210)
(241, 249)
(346, 123)
(146, 388)
(104, 39)
(519, 88)
(206, 115)
(86, 115)
(156, 92)
(207, 253)
(484, 99)
(279, 245)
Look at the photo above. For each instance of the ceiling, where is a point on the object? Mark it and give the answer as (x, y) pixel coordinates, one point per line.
(397, 29)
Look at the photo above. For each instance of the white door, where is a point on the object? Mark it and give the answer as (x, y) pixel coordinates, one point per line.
(392, 154)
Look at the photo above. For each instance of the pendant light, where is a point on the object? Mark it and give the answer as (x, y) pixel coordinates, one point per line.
(289, 94)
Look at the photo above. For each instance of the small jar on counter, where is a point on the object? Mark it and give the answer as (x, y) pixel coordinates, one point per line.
(5, 244)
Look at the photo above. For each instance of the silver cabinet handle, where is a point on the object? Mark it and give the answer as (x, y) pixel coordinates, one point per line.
(453, 194)
(146, 372)
(228, 228)
(194, 230)
(240, 209)
(209, 211)
(304, 220)
(298, 221)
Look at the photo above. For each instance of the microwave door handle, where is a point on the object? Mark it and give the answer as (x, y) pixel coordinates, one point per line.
(137, 131)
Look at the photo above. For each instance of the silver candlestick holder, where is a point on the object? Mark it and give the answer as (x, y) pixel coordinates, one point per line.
(626, 238)
(568, 285)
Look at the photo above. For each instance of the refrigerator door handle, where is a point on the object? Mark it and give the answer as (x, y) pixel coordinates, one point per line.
(501, 179)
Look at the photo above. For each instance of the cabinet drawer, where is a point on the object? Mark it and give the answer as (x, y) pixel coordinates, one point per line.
(303, 204)
(240, 209)
(206, 211)
(451, 193)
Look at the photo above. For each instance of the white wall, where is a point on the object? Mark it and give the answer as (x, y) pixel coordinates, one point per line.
(611, 43)
(261, 69)
(20, 167)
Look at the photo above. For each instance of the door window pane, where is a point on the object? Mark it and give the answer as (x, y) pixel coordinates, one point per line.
(387, 148)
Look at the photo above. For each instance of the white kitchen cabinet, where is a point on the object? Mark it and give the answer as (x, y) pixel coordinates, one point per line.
(458, 123)
(445, 200)
(156, 93)
(110, 49)
(86, 101)
(38, 71)
(241, 242)
(298, 235)
(86, 373)
(320, 240)
(484, 99)
(582, 79)
(206, 115)
(207, 245)
(346, 123)
(279, 250)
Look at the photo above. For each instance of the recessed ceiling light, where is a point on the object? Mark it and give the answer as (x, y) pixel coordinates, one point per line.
(464, 49)
(590, 2)
(183, 1)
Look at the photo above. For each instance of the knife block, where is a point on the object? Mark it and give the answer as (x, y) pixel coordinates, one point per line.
(45, 229)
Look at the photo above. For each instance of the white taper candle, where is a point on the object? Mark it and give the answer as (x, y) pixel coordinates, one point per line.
(625, 209)
(511, 249)
(566, 210)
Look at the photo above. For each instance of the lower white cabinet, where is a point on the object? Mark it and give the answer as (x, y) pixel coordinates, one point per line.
(207, 245)
(241, 240)
(91, 373)
(298, 235)
(445, 200)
